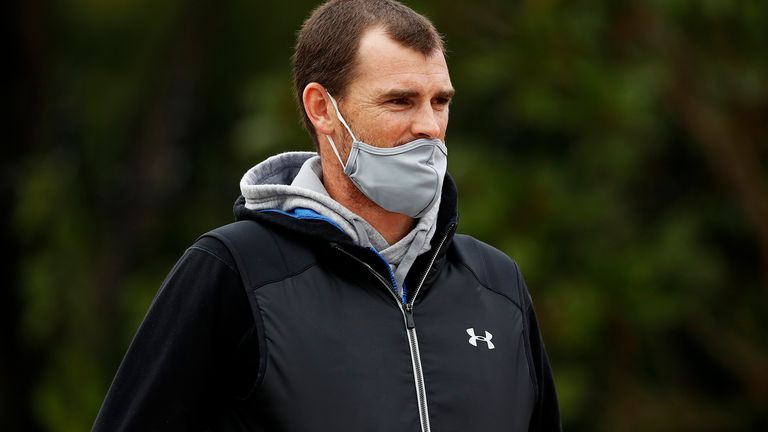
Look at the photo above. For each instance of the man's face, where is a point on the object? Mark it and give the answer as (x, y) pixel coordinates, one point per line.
(397, 94)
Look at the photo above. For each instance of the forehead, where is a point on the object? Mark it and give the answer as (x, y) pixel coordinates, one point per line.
(383, 64)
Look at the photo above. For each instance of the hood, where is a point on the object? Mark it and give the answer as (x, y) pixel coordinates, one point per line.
(290, 181)
(286, 190)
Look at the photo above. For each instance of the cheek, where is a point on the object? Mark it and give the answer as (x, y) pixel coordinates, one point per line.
(443, 116)
(391, 126)
(442, 120)
(383, 131)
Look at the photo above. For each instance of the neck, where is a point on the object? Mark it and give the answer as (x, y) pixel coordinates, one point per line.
(391, 226)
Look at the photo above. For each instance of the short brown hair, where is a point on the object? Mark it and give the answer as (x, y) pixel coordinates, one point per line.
(327, 44)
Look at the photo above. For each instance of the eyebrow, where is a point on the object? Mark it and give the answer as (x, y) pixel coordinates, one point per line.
(401, 93)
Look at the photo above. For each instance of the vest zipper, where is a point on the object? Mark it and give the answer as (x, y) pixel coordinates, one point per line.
(421, 391)
(410, 325)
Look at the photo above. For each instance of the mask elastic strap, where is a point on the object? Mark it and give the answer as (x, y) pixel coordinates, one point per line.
(330, 140)
(333, 146)
(341, 119)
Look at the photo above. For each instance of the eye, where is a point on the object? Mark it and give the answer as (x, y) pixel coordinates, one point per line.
(399, 101)
(441, 102)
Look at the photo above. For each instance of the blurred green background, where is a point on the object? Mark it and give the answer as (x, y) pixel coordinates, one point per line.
(617, 149)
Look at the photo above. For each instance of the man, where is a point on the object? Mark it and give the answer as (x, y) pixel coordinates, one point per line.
(342, 300)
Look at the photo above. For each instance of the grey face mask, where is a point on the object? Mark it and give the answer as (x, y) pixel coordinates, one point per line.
(405, 179)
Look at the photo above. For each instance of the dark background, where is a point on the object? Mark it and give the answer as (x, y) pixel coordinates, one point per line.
(616, 149)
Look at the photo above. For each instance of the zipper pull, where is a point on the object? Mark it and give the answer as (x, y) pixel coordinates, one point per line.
(409, 316)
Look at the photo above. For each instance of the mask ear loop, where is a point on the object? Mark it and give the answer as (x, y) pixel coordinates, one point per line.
(333, 147)
(341, 119)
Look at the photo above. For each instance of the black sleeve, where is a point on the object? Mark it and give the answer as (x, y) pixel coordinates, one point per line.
(190, 354)
(546, 412)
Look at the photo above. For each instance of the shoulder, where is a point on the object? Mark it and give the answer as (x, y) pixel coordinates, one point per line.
(258, 252)
(493, 268)
(484, 258)
(210, 247)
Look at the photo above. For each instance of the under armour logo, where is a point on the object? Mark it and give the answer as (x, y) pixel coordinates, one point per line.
(473, 338)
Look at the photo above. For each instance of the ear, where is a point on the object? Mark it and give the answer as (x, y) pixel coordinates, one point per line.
(319, 109)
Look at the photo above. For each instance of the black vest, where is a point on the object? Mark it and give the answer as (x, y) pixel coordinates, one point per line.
(340, 352)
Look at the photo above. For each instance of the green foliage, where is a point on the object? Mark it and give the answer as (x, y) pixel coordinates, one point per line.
(615, 149)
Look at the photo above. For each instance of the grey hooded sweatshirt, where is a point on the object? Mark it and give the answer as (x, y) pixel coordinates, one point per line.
(293, 180)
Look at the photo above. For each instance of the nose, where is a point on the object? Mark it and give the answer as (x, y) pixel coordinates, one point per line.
(426, 122)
